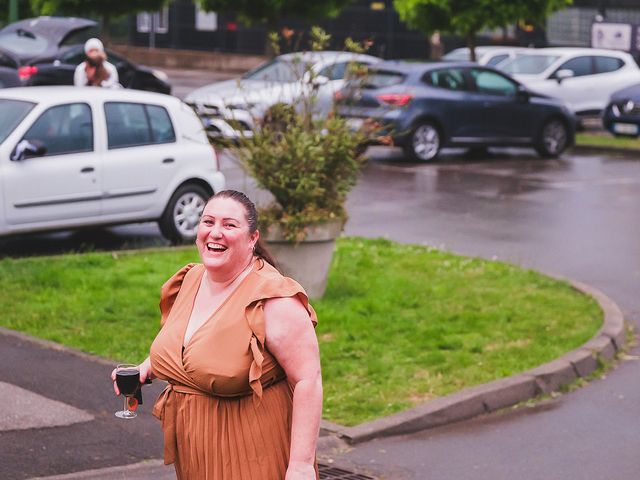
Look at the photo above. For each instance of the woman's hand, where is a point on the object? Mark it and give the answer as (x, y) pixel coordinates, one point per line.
(300, 471)
(145, 372)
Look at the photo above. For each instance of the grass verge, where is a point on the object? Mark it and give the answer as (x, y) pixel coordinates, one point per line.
(399, 324)
(607, 140)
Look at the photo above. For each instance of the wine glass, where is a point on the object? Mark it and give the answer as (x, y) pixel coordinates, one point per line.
(128, 381)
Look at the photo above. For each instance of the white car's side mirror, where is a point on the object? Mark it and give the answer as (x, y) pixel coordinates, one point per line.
(563, 74)
(320, 80)
(28, 148)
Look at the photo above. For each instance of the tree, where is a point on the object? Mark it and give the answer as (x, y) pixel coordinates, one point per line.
(467, 17)
(269, 11)
(106, 10)
(24, 10)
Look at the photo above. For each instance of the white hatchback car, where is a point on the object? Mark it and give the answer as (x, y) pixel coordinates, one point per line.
(489, 55)
(75, 157)
(232, 108)
(584, 78)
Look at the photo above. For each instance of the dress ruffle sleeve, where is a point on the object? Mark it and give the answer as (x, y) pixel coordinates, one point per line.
(272, 285)
(169, 292)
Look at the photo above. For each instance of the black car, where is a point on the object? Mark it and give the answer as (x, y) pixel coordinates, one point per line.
(427, 106)
(60, 71)
(8, 78)
(46, 51)
(622, 115)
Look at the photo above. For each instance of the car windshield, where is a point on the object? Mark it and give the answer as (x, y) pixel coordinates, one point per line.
(382, 78)
(13, 112)
(23, 42)
(529, 64)
(278, 70)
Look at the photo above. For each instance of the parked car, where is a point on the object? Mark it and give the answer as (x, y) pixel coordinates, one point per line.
(8, 78)
(60, 71)
(585, 78)
(490, 55)
(42, 37)
(72, 157)
(46, 51)
(232, 108)
(622, 115)
(427, 106)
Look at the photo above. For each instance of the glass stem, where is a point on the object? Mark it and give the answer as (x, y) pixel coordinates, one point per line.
(125, 407)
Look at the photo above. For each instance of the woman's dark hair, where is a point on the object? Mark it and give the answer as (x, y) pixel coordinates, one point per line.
(251, 214)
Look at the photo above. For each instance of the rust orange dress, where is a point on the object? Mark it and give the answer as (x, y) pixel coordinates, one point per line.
(226, 411)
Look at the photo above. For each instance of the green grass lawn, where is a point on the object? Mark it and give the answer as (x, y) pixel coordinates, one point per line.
(399, 324)
(606, 140)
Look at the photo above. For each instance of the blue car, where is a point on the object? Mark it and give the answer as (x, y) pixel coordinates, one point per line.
(427, 106)
(622, 115)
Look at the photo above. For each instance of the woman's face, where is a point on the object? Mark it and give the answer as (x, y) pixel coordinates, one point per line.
(223, 239)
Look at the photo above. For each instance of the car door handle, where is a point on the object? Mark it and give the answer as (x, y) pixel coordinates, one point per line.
(168, 160)
(87, 170)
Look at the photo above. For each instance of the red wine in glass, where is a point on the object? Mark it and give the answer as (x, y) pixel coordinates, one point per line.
(128, 381)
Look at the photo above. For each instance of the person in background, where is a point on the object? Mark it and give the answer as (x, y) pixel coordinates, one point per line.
(95, 71)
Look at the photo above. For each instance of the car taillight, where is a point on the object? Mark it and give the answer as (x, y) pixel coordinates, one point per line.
(395, 99)
(26, 72)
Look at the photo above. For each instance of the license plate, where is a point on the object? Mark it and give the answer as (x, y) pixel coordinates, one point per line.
(355, 123)
(625, 128)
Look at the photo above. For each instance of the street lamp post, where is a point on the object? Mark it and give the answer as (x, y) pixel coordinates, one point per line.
(13, 11)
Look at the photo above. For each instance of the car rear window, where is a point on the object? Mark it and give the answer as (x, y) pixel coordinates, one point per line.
(13, 112)
(23, 42)
(529, 64)
(382, 78)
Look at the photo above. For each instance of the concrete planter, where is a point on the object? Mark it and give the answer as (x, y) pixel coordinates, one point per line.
(307, 262)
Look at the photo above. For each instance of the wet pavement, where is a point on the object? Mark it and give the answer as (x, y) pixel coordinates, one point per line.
(576, 216)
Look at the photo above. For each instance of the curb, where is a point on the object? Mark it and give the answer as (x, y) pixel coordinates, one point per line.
(48, 344)
(586, 149)
(147, 469)
(504, 392)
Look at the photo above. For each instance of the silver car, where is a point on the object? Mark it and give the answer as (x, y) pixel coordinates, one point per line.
(233, 108)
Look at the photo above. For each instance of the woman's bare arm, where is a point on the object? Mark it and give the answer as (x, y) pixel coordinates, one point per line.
(291, 338)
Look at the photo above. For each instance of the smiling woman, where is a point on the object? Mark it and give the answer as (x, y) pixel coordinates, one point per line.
(238, 348)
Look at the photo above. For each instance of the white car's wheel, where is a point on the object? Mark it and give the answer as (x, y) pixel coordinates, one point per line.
(179, 222)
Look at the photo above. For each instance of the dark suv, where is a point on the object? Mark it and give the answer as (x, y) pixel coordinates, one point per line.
(427, 106)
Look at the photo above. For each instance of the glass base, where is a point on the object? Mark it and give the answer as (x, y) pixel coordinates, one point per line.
(126, 414)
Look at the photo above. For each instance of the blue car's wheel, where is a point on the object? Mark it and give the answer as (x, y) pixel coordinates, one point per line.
(424, 142)
(553, 138)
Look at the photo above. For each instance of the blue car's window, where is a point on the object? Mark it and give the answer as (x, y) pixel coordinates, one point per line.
(382, 78)
(580, 66)
(448, 78)
(492, 83)
(13, 111)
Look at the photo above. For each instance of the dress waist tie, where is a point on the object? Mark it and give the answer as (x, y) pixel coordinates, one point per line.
(166, 410)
